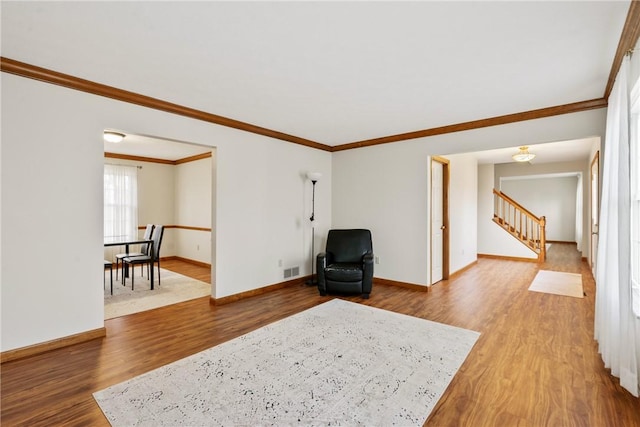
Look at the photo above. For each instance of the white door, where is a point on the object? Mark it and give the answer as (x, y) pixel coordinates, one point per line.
(595, 197)
(437, 221)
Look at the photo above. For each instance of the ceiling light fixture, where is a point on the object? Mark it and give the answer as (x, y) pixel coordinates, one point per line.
(111, 136)
(523, 155)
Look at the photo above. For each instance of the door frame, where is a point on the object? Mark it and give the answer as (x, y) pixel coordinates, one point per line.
(445, 219)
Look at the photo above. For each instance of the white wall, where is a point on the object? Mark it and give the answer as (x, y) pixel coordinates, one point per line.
(52, 163)
(463, 211)
(385, 187)
(156, 188)
(175, 195)
(192, 207)
(52, 157)
(156, 197)
(582, 166)
(492, 239)
(51, 210)
(553, 198)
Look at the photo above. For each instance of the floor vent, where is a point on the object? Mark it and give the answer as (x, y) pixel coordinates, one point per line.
(291, 272)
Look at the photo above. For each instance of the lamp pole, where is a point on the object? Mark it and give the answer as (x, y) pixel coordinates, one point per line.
(313, 177)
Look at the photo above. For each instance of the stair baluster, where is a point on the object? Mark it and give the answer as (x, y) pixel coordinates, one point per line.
(528, 228)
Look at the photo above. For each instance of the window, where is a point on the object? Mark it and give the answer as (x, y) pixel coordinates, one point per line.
(120, 202)
(634, 168)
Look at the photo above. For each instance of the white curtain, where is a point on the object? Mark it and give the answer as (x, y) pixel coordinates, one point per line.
(579, 210)
(615, 324)
(120, 202)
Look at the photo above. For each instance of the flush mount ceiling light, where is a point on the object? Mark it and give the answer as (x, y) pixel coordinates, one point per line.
(523, 155)
(110, 136)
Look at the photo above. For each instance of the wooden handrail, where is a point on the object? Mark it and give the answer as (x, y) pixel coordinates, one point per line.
(521, 223)
(514, 203)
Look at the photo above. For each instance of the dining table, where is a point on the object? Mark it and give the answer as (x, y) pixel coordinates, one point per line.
(126, 242)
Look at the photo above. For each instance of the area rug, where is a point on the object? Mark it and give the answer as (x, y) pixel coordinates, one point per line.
(174, 288)
(339, 363)
(558, 283)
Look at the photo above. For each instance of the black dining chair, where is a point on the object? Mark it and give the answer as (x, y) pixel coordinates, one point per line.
(109, 265)
(144, 249)
(149, 259)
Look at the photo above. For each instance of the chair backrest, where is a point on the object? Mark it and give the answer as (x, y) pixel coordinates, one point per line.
(148, 232)
(349, 245)
(158, 231)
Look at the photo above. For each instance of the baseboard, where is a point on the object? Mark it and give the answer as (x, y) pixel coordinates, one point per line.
(462, 270)
(300, 281)
(32, 350)
(412, 286)
(187, 260)
(258, 291)
(508, 258)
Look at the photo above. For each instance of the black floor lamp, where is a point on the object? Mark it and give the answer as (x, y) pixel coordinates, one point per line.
(313, 177)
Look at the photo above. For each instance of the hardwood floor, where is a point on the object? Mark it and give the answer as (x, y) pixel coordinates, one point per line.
(535, 364)
(188, 269)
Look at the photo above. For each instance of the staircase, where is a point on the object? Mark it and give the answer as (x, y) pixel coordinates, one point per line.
(520, 223)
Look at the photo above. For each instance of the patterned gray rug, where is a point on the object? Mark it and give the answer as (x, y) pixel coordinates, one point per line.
(339, 363)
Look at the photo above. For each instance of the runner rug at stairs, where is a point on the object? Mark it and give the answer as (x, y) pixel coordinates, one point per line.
(334, 364)
(558, 283)
(174, 288)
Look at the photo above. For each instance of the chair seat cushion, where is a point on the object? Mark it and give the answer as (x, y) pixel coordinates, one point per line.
(137, 259)
(120, 256)
(343, 272)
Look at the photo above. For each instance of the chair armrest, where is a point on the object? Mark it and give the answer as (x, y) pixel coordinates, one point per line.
(367, 274)
(368, 258)
(321, 264)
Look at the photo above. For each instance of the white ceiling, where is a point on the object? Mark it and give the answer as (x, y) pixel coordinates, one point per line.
(561, 151)
(157, 148)
(331, 72)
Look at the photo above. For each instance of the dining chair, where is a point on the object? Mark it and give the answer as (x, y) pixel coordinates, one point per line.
(109, 265)
(144, 249)
(132, 261)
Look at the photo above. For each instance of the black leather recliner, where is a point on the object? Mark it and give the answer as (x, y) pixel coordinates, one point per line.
(347, 264)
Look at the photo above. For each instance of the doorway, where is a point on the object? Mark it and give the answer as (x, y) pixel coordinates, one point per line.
(176, 185)
(439, 228)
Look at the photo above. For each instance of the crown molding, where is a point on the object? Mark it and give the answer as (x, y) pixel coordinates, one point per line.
(193, 158)
(109, 155)
(628, 40)
(42, 74)
(156, 160)
(477, 124)
(23, 69)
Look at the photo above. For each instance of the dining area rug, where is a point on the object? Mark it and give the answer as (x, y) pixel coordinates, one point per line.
(338, 363)
(173, 288)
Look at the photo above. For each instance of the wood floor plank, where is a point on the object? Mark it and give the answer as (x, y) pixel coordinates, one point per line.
(535, 364)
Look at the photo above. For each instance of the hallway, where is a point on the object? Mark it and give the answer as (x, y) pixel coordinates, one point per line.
(564, 257)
